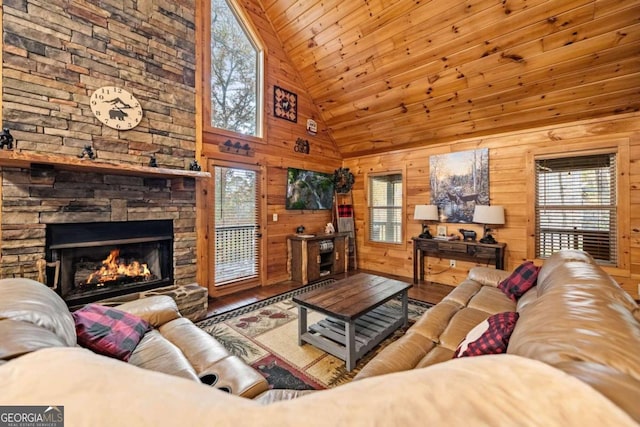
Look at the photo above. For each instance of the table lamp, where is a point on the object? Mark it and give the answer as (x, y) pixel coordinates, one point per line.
(426, 213)
(488, 215)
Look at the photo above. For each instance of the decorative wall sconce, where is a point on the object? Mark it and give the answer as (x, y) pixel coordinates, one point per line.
(302, 146)
(236, 148)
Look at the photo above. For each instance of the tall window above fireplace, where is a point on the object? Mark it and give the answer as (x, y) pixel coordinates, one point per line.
(94, 261)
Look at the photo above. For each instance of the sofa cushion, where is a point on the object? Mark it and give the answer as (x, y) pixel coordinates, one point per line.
(489, 337)
(109, 331)
(523, 278)
(19, 338)
(26, 300)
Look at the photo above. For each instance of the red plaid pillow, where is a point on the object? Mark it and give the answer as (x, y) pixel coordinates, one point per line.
(523, 278)
(108, 331)
(489, 337)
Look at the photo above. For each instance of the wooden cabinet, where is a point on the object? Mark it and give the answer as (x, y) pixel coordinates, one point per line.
(316, 257)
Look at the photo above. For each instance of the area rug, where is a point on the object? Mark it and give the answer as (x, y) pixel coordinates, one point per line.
(265, 336)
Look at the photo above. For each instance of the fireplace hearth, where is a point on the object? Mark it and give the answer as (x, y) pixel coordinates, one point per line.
(95, 261)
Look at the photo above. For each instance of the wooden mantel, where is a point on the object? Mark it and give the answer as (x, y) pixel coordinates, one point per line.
(18, 159)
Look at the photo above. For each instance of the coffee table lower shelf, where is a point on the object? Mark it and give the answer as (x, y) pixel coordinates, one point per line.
(369, 330)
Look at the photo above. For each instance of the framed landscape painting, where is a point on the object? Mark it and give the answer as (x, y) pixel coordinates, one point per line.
(459, 181)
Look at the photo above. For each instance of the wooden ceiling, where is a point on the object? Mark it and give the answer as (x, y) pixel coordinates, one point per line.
(390, 74)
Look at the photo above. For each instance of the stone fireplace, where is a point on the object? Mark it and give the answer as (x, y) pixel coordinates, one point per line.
(93, 261)
(75, 220)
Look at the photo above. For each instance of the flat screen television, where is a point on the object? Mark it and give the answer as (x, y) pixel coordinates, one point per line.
(309, 190)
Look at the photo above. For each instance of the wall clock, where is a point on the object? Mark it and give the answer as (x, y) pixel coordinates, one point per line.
(285, 104)
(116, 108)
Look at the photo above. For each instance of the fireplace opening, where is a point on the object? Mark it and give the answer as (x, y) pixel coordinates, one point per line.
(95, 261)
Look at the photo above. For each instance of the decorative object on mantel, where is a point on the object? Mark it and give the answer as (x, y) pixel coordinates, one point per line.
(343, 180)
(153, 162)
(329, 228)
(300, 229)
(285, 104)
(302, 146)
(236, 148)
(87, 153)
(6, 139)
(194, 166)
(116, 108)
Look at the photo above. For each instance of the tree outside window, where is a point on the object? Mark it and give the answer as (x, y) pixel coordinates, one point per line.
(235, 71)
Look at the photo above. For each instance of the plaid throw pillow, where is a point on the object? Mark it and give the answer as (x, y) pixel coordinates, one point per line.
(108, 331)
(523, 278)
(489, 337)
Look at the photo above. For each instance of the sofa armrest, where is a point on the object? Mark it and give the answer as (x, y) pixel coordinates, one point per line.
(488, 276)
(157, 309)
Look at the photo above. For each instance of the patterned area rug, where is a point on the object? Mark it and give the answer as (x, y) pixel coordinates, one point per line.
(265, 336)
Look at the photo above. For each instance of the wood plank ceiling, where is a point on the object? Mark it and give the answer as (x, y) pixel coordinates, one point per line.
(389, 74)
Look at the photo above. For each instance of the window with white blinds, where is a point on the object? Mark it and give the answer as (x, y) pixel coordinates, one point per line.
(237, 229)
(576, 206)
(385, 208)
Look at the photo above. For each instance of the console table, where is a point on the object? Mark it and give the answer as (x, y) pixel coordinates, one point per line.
(455, 249)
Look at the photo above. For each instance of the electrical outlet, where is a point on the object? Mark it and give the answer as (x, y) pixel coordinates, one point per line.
(452, 263)
(275, 217)
(638, 289)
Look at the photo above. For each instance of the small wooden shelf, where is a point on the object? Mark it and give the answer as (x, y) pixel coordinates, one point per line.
(10, 158)
(309, 261)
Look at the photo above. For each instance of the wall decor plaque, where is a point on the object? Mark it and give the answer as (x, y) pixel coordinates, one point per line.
(285, 104)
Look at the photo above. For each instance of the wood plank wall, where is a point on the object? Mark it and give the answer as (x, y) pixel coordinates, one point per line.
(275, 156)
(510, 182)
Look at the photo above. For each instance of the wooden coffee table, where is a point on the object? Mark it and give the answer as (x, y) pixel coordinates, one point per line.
(357, 320)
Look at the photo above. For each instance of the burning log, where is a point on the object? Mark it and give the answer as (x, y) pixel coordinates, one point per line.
(112, 270)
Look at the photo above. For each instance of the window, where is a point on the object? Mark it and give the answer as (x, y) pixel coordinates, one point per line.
(235, 73)
(576, 206)
(385, 208)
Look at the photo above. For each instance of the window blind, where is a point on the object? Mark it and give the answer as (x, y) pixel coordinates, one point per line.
(236, 225)
(385, 208)
(576, 206)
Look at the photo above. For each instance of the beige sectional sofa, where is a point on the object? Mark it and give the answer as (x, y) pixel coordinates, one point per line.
(577, 319)
(33, 317)
(571, 364)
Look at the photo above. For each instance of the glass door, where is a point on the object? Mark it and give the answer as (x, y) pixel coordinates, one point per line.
(237, 225)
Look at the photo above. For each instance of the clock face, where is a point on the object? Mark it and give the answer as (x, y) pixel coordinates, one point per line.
(116, 108)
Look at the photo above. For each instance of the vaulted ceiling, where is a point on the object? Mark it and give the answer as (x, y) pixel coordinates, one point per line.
(389, 74)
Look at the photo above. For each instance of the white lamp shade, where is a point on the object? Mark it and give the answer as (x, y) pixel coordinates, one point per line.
(426, 213)
(488, 214)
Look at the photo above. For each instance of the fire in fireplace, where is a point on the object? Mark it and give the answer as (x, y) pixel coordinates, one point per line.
(114, 270)
(95, 261)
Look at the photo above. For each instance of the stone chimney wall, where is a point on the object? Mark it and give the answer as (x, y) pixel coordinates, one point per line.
(55, 55)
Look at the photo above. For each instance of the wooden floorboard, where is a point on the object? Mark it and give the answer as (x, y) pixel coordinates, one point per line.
(424, 291)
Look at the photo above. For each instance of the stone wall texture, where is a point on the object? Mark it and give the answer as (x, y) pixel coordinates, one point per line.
(56, 53)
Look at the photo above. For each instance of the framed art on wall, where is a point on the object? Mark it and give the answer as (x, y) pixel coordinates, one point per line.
(459, 181)
(285, 104)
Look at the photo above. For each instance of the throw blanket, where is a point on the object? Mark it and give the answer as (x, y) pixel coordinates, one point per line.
(500, 390)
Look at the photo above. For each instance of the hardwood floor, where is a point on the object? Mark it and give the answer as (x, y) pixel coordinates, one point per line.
(425, 291)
